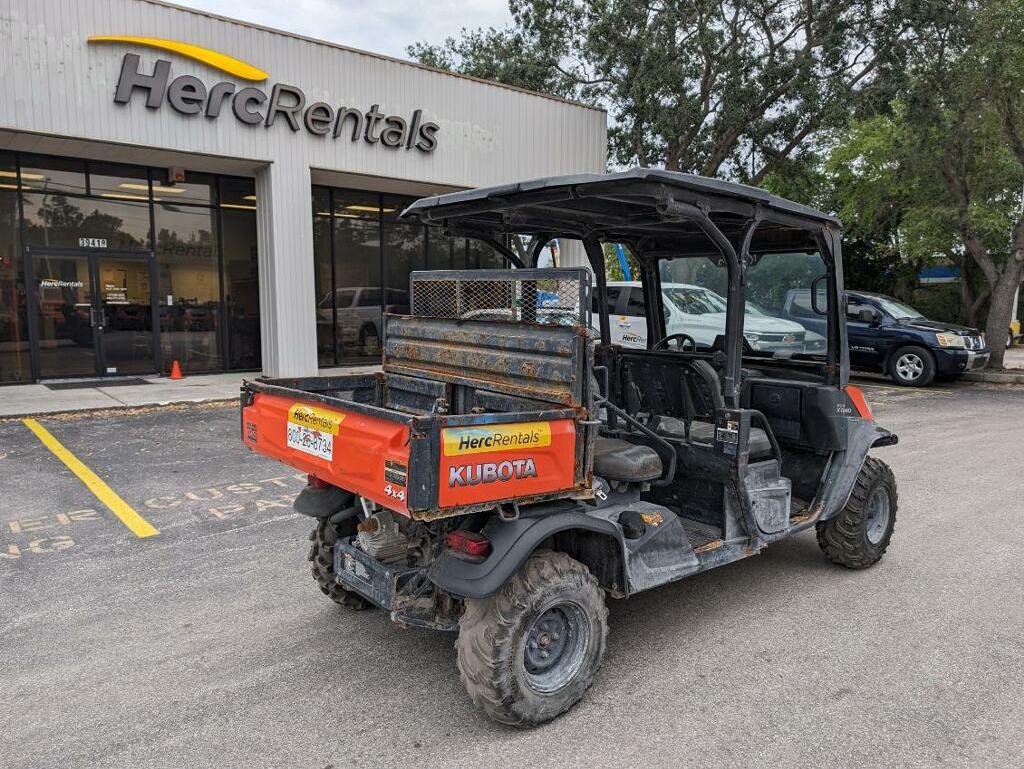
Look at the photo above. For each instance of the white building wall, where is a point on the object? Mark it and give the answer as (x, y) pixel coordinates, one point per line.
(56, 86)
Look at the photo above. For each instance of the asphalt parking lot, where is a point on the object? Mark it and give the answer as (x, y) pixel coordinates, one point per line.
(207, 643)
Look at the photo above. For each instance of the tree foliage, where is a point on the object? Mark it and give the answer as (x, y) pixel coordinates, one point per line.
(906, 117)
(941, 171)
(739, 89)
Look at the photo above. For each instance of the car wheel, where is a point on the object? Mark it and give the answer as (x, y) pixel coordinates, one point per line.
(912, 366)
(529, 652)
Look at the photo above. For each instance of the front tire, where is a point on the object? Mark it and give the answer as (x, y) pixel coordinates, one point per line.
(912, 366)
(858, 537)
(528, 653)
(321, 555)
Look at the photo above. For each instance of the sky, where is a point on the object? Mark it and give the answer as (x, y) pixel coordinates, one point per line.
(384, 26)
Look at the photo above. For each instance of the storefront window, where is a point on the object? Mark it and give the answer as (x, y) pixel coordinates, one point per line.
(196, 189)
(241, 288)
(8, 172)
(238, 194)
(57, 220)
(46, 174)
(189, 286)
(14, 345)
(357, 274)
(118, 182)
(483, 257)
(323, 276)
(440, 249)
(404, 252)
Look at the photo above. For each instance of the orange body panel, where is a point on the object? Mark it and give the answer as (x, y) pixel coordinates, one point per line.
(504, 461)
(361, 454)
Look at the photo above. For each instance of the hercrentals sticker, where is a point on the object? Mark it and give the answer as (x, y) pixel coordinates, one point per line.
(481, 440)
(315, 418)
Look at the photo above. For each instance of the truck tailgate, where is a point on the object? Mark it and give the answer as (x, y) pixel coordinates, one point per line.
(363, 454)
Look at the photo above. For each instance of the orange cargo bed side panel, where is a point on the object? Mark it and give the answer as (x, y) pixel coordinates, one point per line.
(359, 453)
(494, 462)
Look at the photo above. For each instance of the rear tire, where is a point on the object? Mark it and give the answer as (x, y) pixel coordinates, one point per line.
(528, 653)
(912, 366)
(321, 555)
(858, 537)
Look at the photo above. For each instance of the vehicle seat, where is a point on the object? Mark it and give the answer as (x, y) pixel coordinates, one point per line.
(704, 432)
(619, 460)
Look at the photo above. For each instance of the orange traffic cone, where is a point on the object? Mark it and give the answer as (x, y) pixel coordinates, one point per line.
(176, 370)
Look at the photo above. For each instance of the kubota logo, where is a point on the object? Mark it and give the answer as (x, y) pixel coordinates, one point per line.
(188, 95)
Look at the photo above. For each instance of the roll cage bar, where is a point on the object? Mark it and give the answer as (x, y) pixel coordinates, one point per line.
(659, 215)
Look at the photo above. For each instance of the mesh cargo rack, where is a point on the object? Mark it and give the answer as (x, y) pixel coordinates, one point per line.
(547, 297)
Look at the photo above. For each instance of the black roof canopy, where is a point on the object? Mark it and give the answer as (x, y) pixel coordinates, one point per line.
(651, 209)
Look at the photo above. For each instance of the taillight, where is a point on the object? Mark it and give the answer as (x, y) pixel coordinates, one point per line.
(468, 543)
(859, 402)
(315, 483)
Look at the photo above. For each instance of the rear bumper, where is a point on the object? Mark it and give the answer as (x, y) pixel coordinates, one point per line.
(404, 592)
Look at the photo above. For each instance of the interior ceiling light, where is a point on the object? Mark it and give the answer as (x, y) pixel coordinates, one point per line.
(123, 196)
(145, 188)
(371, 209)
(249, 197)
(236, 205)
(14, 175)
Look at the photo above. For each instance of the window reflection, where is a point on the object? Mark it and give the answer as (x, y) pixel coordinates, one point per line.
(14, 349)
(52, 174)
(189, 297)
(241, 288)
(61, 221)
(368, 275)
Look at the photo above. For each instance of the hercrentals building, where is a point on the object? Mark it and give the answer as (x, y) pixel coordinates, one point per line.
(180, 186)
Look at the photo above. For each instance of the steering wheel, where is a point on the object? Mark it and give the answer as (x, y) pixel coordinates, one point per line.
(681, 339)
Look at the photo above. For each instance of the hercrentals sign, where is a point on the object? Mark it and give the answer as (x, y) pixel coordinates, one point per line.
(254, 106)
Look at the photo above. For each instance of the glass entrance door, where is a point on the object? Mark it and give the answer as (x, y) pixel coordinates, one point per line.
(94, 314)
(124, 299)
(65, 315)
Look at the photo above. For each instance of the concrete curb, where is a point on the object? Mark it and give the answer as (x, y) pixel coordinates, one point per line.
(995, 377)
(117, 409)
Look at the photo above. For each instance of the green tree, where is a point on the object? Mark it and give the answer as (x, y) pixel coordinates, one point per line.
(942, 172)
(738, 89)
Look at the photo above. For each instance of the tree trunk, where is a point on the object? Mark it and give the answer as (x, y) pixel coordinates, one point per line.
(1000, 311)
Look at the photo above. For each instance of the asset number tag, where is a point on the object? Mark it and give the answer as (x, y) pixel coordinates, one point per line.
(310, 441)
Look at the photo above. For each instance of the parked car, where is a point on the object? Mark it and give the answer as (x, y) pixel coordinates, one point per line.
(700, 314)
(887, 335)
(359, 316)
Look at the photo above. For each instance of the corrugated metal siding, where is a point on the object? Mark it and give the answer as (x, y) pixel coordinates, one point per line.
(52, 82)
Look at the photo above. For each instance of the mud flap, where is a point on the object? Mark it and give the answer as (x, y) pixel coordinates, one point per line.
(842, 475)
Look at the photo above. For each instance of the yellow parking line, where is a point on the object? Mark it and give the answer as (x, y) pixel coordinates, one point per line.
(139, 526)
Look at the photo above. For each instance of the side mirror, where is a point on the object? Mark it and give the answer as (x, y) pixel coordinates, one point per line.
(814, 294)
(869, 315)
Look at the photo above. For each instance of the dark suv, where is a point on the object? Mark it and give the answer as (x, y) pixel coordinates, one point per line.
(888, 336)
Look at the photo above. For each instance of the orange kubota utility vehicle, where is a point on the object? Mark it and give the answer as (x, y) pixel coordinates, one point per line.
(507, 469)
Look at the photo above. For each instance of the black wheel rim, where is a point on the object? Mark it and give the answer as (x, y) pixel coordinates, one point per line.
(555, 646)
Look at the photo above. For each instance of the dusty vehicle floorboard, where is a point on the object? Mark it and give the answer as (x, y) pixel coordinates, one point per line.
(203, 645)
